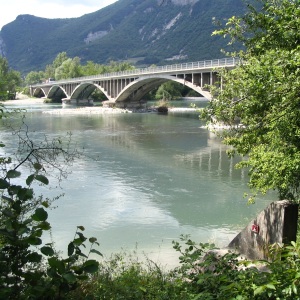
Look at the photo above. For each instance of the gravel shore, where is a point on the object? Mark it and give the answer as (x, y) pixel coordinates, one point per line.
(24, 101)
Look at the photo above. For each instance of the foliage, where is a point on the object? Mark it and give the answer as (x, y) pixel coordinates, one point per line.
(30, 269)
(209, 275)
(124, 276)
(70, 68)
(262, 96)
(10, 80)
(204, 273)
(34, 77)
(169, 90)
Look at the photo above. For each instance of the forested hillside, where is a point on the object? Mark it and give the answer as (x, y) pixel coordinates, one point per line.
(141, 31)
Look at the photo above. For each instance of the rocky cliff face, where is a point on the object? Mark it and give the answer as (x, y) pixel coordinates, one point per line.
(184, 2)
(2, 47)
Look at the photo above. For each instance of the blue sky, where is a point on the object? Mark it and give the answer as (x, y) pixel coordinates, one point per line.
(10, 9)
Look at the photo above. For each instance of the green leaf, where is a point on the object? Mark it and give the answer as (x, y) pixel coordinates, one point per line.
(259, 290)
(4, 184)
(90, 266)
(34, 257)
(81, 228)
(48, 251)
(294, 288)
(17, 206)
(143, 289)
(10, 200)
(57, 264)
(78, 241)
(25, 194)
(271, 286)
(30, 179)
(96, 251)
(70, 277)
(81, 254)
(81, 236)
(71, 248)
(43, 179)
(40, 215)
(22, 230)
(45, 204)
(7, 212)
(14, 189)
(13, 174)
(44, 225)
(35, 241)
(92, 240)
(37, 166)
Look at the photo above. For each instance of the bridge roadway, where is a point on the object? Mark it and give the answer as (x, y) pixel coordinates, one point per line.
(127, 88)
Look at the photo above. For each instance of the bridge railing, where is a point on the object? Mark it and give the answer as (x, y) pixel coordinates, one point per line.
(205, 64)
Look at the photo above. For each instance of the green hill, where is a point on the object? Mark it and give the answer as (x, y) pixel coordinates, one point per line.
(142, 31)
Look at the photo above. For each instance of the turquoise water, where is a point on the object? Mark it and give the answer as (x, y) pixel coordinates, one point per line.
(143, 180)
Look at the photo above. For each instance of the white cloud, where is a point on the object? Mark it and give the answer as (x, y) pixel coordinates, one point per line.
(10, 9)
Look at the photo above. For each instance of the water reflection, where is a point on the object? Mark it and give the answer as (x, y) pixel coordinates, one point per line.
(144, 179)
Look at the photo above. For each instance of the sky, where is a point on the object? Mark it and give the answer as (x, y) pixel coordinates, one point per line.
(10, 9)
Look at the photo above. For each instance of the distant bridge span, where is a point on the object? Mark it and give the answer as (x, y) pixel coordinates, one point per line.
(130, 86)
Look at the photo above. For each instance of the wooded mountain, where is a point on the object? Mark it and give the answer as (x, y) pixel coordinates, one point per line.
(141, 31)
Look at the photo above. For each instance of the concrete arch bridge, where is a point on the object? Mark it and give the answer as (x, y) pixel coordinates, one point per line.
(127, 88)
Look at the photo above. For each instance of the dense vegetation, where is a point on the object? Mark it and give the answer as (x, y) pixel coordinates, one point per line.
(143, 32)
(64, 67)
(10, 80)
(260, 103)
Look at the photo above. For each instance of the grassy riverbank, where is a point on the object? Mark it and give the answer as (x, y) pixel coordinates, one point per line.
(201, 275)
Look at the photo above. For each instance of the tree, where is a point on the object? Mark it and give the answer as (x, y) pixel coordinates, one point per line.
(260, 99)
(59, 59)
(169, 90)
(34, 77)
(70, 68)
(10, 80)
(49, 72)
(119, 66)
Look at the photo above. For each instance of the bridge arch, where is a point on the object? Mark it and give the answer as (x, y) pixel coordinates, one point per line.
(57, 91)
(141, 86)
(39, 93)
(84, 90)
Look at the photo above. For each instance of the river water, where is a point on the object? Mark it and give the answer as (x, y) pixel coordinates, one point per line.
(144, 180)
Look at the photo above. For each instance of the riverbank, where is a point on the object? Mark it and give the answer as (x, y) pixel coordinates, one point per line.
(91, 110)
(24, 100)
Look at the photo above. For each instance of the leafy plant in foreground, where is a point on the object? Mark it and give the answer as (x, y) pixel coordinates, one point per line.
(30, 269)
(206, 273)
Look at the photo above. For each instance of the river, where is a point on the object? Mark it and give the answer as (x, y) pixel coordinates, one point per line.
(144, 180)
